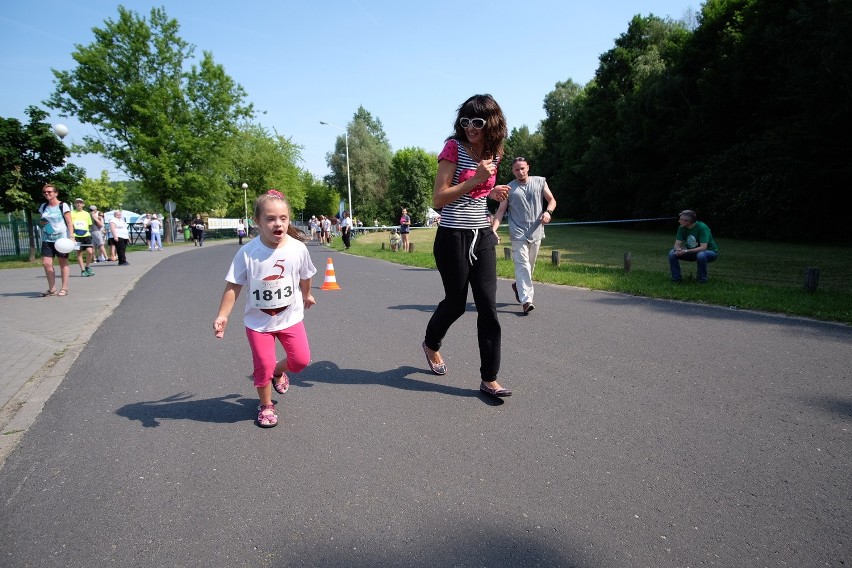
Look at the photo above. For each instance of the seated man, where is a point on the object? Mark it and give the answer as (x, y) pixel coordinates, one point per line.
(395, 240)
(693, 243)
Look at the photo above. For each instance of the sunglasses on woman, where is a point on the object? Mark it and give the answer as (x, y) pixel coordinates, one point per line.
(478, 123)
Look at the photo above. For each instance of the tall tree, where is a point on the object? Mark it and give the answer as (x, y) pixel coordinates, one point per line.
(159, 121)
(102, 193)
(412, 179)
(263, 161)
(30, 156)
(369, 163)
(320, 198)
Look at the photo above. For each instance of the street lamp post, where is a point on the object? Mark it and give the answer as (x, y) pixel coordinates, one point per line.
(348, 179)
(245, 204)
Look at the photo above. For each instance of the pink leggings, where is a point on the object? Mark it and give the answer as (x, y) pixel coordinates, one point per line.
(262, 343)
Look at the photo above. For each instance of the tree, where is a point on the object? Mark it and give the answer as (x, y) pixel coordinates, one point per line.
(102, 193)
(320, 198)
(263, 161)
(30, 156)
(369, 164)
(412, 180)
(160, 123)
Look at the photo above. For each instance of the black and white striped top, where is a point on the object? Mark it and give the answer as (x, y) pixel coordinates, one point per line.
(470, 211)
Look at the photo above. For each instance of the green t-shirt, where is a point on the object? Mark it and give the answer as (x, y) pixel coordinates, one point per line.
(699, 233)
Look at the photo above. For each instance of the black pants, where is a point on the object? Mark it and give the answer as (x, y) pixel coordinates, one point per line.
(451, 250)
(346, 234)
(120, 249)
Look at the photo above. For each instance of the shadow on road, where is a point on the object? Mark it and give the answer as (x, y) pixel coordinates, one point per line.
(470, 307)
(234, 408)
(329, 373)
(226, 409)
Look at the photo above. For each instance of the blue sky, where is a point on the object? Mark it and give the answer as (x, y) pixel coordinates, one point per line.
(410, 65)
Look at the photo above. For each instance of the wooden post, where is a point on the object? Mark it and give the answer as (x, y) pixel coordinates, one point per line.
(410, 247)
(383, 246)
(811, 279)
(628, 262)
(554, 257)
(507, 253)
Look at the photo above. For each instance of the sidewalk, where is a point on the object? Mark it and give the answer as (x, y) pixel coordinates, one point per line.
(40, 338)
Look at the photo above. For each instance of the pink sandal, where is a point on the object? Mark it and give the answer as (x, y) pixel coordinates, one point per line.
(267, 418)
(282, 385)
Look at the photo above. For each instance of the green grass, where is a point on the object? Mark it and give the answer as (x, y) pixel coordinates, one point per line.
(750, 275)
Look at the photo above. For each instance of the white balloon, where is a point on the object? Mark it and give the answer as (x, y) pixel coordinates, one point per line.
(64, 245)
(61, 130)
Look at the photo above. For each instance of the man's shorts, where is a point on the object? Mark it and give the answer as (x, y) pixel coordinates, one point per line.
(85, 242)
(48, 249)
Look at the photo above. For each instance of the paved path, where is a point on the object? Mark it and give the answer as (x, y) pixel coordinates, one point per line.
(41, 337)
(641, 433)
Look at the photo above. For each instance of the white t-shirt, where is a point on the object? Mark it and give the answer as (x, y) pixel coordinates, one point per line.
(271, 279)
(118, 228)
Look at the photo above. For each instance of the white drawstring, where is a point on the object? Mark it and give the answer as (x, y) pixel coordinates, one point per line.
(470, 256)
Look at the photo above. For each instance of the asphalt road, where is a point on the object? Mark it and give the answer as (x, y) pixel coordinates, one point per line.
(641, 433)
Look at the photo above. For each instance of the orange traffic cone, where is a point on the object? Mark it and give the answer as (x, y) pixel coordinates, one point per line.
(330, 282)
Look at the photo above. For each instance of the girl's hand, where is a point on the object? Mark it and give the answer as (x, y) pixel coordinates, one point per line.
(309, 301)
(219, 326)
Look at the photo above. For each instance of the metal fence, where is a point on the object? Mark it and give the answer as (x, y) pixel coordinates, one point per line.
(14, 239)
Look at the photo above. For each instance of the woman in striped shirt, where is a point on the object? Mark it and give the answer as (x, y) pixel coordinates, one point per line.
(465, 243)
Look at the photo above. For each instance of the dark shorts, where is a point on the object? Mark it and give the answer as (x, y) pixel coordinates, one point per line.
(85, 242)
(48, 249)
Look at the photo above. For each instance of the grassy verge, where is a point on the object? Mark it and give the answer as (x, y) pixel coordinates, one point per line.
(748, 275)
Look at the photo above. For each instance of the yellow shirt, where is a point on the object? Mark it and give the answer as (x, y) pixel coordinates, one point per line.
(81, 221)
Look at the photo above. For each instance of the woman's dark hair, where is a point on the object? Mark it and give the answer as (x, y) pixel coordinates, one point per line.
(485, 107)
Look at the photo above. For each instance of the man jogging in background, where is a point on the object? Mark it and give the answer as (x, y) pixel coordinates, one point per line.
(530, 206)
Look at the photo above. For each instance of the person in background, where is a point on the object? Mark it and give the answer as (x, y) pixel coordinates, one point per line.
(395, 240)
(527, 218)
(198, 230)
(120, 236)
(98, 249)
(404, 228)
(241, 231)
(81, 220)
(346, 229)
(55, 224)
(465, 243)
(155, 225)
(313, 226)
(146, 224)
(693, 243)
(326, 230)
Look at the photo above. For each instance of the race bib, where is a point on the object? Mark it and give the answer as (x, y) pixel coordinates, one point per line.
(272, 295)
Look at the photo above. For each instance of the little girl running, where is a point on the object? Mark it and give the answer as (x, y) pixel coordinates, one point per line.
(271, 264)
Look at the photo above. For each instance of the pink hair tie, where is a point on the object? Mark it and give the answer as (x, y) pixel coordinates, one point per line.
(275, 193)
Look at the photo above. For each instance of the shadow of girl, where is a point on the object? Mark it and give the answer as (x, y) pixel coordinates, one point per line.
(226, 409)
(234, 408)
